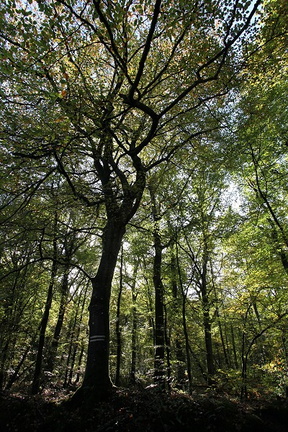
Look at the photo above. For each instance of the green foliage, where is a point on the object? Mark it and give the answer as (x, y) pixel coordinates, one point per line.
(99, 101)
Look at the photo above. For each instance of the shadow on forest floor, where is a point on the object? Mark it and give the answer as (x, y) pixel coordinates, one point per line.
(143, 411)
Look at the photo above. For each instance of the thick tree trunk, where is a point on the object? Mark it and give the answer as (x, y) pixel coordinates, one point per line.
(97, 383)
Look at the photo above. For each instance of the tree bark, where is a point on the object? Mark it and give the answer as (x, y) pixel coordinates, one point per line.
(179, 350)
(15, 375)
(43, 326)
(159, 336)
(44, 321)
(118, 326)
(236, 366)
(134, 326)
(61, 313)
(208, 337)
(97, 382)
(184, 324)
(206, 318)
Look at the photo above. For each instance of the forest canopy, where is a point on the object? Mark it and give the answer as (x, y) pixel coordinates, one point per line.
(143, 194)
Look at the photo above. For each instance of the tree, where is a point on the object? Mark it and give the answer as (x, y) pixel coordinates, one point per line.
(89, 92)
(159, 337)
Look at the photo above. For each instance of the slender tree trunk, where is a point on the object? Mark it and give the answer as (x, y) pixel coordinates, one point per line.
(234, 348)
(80, 358)
(69, 355)
(118, 325)
(159, 361)
(179, 350)
(285, 350)
(43, 325)
(15, 375)
(11, 319)
(225, 350)
(225, 353)
(59, 324)
(73, 335)
(208, 341)
(184, 324)
(244, 391)
(4, 355)
(133, 344)
(244, 356)
(168, 347)
(207, 320)
(134, 327)
(186, 336)
(72, 362)
(81, 355)
(159, 337)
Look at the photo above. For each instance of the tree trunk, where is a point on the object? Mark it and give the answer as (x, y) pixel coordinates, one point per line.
(97, 383)
(73, 335)
(14, 377)
(184, 324)
(61, 313)
(244, 391)
(179, 350)
(168, 347)
(77, 379)
(159, 374)
(234, 348)
(134, 326)
(118, 326)
(224, 349)
(207, 320)
(43, 326)
(159, 336)
(186, 336)
(4, 356)
(208, 339)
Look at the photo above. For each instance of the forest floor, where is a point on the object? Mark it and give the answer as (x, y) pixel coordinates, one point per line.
(142, 411)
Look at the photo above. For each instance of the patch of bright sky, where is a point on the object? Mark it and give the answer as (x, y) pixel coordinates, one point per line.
(232, 197)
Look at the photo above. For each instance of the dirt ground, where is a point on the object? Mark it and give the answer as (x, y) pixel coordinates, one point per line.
(142, 411)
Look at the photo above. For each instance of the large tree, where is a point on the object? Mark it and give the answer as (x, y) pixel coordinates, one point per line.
(102, 92)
